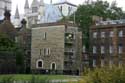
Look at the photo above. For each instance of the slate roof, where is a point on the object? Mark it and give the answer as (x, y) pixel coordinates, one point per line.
(52, 14)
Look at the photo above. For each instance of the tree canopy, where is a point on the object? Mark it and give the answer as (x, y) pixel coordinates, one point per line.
(85, 12)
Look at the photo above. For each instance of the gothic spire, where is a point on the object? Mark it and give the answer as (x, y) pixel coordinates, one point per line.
(17, 13)
(26, 4)
(41, 2)
(35, 3)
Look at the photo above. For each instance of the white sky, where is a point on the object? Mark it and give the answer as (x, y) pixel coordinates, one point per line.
(20, 3)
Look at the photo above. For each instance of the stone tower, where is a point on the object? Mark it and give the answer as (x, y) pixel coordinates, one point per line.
(17, 18)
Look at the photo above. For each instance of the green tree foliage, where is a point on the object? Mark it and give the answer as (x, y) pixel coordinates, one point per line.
(9, 46)
(83, 16)
(6, 43)
(105, 75)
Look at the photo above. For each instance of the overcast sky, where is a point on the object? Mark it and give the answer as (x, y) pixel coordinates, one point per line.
(20, 3)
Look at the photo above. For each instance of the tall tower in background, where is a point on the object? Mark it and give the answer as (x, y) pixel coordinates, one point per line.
(4, 4)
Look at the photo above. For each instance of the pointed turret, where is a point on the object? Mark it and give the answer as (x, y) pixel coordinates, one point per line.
(41, 2)
(17, 18)
(26, 5)
(35, 6)
(34, 3)
(17, 13)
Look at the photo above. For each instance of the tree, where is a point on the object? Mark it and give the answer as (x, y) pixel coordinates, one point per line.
(9, 46)
(100, 8)
(6, 44)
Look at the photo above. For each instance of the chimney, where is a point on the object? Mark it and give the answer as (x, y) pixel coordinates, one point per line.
(7, 14)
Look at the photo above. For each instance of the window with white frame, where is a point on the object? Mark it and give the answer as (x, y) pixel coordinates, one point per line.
(84, 49)
(110, 49)
(102, 34)
(120, 63)
(110, 63)
(94, 49)
(44, 35)
(53, 66)
(94, 63)
(40, 52)
(102, 49)
(120, 49)
(102, 63)
(16, 39)
(46, 51)
(39, 63)
(111, 34)
(120, 34)
(94, 34)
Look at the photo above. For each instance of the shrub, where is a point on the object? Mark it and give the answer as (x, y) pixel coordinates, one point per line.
(7, 79)
(105, 75)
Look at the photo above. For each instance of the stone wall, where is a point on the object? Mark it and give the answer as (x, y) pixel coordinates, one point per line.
(54, 40)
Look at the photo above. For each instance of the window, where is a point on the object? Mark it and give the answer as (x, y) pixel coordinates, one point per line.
(120, 49)
(47, 51)
(40, 51)
(84, 49)
(95, 35)
(111, 34)
(102, 34)
(102, 63)
(34, 9)
(94, 49)
(39, 64)
(102, 50)
(110, 49)
(61, 8)
(94, 63)
(53, 66)
(120, 34)
(110, 63)
(44, 37)
(120, 63)
(16, 39)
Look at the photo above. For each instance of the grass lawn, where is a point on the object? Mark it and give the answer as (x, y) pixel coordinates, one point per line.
(29, 77)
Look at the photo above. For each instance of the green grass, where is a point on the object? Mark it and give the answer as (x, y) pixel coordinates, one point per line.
(29, 77)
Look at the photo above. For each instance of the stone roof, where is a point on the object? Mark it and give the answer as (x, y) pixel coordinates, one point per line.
(7, 29)
(54, 24)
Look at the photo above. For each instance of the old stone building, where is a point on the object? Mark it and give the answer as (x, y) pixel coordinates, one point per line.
(107, 43)
(7, 36)
(24, 41)
(40, 12)
(56, 47)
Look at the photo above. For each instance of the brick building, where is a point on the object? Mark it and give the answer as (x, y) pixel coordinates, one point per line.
(107, 43)
(56, 47)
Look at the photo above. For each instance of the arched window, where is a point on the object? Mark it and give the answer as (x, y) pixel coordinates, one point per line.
(39, 64)
(53, 66)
